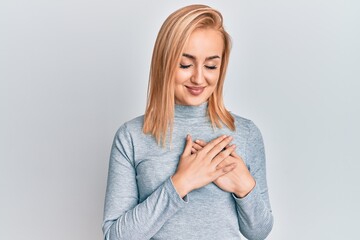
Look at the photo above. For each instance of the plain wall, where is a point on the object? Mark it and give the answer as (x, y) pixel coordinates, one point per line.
(71, 72)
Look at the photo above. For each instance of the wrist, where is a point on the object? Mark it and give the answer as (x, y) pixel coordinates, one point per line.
(179, 185)
(245, 191)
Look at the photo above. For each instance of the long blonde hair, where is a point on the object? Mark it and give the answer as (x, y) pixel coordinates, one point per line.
(169, 45)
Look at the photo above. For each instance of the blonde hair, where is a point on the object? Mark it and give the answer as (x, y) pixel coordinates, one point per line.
(169, 45)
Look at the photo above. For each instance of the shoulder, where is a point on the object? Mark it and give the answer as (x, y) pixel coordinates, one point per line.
(130, 129)
(243, 124)
(132, 126)
(124, 136)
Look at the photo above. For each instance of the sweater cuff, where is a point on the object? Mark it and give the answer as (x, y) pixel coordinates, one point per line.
(248, 201)
(169, 185)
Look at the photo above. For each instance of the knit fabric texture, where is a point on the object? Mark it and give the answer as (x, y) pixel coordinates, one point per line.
(142, 203)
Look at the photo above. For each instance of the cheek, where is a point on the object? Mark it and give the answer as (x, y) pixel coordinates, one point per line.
(182, 76)
(213, 77)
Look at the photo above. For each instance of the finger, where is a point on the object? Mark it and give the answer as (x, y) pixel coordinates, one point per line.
(188, 146)
(193, 150)
(224, 170)
(218, 147)
(234, 154)
(201, 142)
(222, 155)
(197, 147)
(213, 143)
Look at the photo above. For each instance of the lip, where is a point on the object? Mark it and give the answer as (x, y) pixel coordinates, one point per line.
(196, 91)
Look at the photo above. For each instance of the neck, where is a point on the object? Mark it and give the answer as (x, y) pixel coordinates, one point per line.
(186, 111)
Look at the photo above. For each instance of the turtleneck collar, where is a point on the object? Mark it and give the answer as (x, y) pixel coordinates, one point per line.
(184, 111)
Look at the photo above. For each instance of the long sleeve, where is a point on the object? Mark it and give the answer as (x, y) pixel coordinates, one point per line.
(124, 216)
(254, 211)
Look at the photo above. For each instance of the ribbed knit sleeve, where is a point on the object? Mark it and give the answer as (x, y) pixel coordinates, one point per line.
(124, 216)
(254, 211)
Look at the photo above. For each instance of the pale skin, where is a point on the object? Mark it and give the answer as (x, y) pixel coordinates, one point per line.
(238, 181)
(216, 161)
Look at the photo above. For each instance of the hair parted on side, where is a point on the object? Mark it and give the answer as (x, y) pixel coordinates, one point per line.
(169, 46)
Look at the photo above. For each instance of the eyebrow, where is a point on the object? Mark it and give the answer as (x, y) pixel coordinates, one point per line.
(194, 58)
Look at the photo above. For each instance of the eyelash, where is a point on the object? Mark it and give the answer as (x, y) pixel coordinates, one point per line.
(211, 67)
(184, 66)
(208, 67)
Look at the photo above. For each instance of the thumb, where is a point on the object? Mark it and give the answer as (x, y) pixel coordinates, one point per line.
(188, 146)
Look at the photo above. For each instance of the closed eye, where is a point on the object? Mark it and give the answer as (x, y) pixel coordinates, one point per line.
(211, 67)
(185, 66)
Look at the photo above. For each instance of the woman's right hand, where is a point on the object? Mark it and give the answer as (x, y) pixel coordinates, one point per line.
(201, 168)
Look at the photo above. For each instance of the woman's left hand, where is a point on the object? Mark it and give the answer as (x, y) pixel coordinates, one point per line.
(239, 181)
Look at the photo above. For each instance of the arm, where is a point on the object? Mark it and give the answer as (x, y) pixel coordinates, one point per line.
(124, 217)
(254, 211)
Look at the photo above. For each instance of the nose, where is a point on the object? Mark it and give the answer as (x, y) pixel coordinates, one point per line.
(197, 77)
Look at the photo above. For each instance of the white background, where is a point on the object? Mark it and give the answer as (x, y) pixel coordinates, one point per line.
(71, 72)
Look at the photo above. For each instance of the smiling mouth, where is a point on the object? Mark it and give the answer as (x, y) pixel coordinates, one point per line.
(195, 90)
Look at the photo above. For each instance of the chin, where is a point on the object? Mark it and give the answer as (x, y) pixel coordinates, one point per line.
(195, 102)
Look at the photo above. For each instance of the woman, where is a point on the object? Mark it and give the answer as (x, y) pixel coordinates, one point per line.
(174, 173)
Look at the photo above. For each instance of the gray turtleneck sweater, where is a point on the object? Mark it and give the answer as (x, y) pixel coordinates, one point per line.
(142, 203)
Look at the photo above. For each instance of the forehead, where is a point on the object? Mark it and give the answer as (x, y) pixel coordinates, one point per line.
(204, 42)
